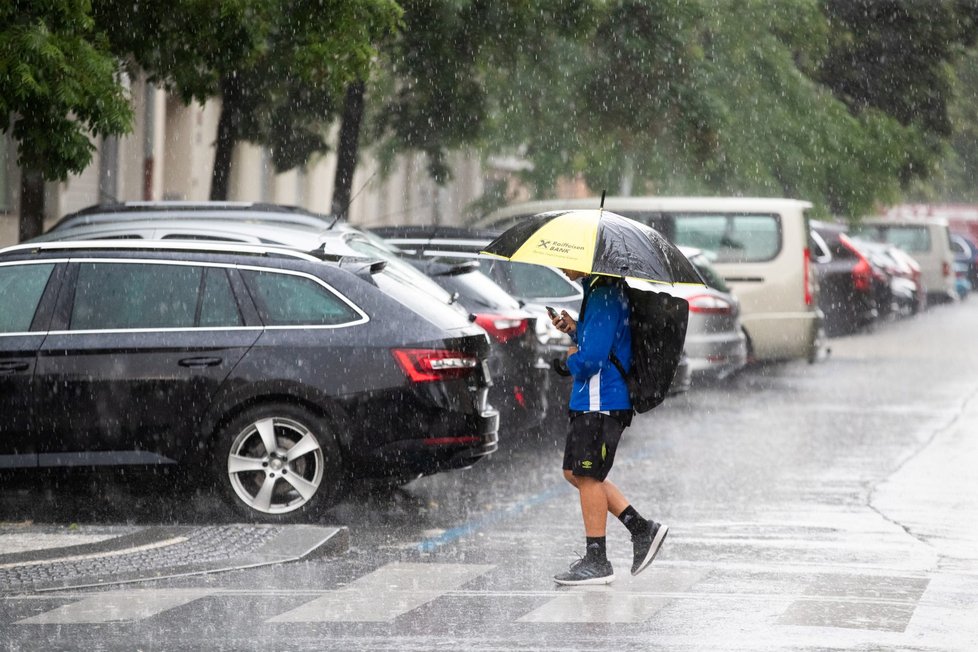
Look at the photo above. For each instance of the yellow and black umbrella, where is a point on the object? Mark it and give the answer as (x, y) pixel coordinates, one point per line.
(595, 242)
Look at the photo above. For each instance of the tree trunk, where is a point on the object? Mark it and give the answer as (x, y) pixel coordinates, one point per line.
(31, 204)
(227, 135)
(346, 155)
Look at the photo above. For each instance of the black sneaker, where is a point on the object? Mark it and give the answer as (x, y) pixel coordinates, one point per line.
(647, 545)
(587, 571)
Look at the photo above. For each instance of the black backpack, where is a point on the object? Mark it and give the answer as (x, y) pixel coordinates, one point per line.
(658, 324)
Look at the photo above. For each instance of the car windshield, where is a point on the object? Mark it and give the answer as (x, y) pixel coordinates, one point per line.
(443, 315)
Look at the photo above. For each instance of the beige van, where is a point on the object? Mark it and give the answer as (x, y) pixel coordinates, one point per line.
(758, 245)
(928, 240)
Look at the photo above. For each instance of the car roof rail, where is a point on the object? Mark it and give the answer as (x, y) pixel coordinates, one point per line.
(231, 210)
(163, 245)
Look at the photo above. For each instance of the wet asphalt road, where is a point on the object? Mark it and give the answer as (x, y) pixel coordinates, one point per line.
(811, 507)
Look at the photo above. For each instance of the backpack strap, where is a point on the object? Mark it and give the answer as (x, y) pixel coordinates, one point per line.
(615, 361)
(611, 354)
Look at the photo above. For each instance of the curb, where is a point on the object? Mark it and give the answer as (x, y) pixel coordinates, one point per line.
(164, 552)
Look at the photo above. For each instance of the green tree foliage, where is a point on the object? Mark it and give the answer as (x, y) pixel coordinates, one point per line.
(768, 97)
(955, 175)
(897, 57)
(278, 66)
(778, 131)
(58, 88)
(431, 93)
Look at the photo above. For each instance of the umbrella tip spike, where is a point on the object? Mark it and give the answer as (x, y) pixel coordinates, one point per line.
(603, 192)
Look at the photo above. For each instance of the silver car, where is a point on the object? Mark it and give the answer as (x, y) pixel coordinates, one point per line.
(716, 344)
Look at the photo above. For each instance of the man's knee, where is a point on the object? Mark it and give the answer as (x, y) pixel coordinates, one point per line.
(586, 481)
(580, 480)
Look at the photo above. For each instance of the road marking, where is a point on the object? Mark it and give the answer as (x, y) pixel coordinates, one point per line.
(117, 606)
(610, 604)
(493, 517)
(385, 594)
(595, 606)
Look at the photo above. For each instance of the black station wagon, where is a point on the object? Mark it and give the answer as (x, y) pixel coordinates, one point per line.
(280, 373)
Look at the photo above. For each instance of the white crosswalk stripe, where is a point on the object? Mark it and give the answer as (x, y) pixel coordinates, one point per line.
(385, 594)
(590, 606)
(612, 604)
(117, 606)
(812, 595)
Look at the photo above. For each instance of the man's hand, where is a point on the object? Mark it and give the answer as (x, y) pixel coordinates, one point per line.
(565, 323)
(571, 350)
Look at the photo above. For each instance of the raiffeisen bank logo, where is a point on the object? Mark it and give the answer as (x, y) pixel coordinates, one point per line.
(559, 247)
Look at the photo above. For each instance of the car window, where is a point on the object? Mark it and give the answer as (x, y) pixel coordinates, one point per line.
(21, 287)
(732, 238)
(291, 300)
(703, 266)
(535, 282)
(135, 295)
(914, 239)
(819, 248)
(217, 304)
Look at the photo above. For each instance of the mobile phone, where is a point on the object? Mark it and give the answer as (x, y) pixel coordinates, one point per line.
(553, 313)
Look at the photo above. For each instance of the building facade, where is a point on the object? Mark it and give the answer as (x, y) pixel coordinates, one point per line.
(170, 154)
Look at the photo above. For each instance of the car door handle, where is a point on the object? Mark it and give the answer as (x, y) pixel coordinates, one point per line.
(11, 367)
(195, 363)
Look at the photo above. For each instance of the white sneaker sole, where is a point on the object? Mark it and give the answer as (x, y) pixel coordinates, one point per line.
(660, 536)
(607, 579)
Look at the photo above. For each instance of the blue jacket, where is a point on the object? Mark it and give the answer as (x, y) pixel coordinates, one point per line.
(598, 385)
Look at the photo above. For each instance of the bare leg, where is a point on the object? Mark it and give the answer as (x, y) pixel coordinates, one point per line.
(594, 506)
(614, 501)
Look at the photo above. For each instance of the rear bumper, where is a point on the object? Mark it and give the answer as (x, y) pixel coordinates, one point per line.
(716, 355)
(521, 398)
(943, 295)
(848, 312)
(435, 451)
(782, 336)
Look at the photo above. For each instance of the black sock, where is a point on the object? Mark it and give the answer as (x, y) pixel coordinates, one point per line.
(596, 549)
(633, 521)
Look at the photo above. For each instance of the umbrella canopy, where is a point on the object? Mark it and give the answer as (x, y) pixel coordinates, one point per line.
(595, 242)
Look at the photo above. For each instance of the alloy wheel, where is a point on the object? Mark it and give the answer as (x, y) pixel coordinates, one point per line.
(275, 465)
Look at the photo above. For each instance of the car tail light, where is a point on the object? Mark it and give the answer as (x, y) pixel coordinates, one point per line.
(519, 396)
(710, 305)
(863, 272)
(426, 365)
(946, 268)
(808, 276)
(862, 276)
(502, 328)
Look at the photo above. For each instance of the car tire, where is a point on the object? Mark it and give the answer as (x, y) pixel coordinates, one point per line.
(301, 476)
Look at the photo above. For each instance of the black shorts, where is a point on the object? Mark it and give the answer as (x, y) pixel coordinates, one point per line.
(592, 439)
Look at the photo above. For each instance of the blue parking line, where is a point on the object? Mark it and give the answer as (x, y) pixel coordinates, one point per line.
(459, 531)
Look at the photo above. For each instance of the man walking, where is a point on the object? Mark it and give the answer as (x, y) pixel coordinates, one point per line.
(600, 410)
